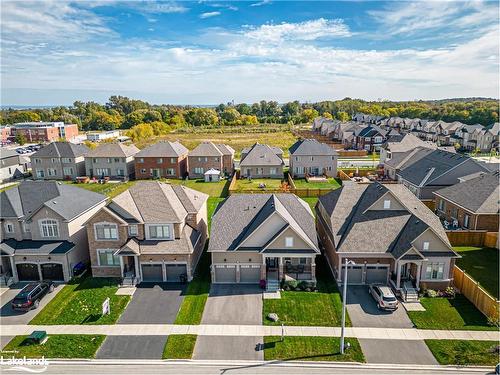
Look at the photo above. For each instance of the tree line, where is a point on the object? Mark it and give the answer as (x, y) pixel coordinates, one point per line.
(146, 119)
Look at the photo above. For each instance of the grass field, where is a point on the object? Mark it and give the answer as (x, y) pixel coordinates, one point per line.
(109, 189)
(481, 263)
(464, 353)
(57, 346)
(306, 348)
(244, 185)
(332, 184)
(443, 313)
(297, 308)
(179, 347)
(80, 302)
(214, 189)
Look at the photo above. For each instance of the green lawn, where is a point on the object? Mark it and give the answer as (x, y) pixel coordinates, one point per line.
(109, 189)
(304, 348)
(464, 352)
(244, 184)
(443, 313)
(322, 308)
(57, 346)
(80, 302)
(179, 347)
(332, 183)
(212, 204)
(214, 189)
(311, 201)
(481, 263)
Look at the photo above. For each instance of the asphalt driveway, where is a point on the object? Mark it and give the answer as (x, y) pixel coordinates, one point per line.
(231, 304)
(397, 352)
(154, 303)
(363, 311)
(9, 316)
(132, 347)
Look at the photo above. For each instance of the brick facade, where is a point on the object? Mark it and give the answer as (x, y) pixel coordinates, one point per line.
(205, 162)
(145, 165)
(450, 211)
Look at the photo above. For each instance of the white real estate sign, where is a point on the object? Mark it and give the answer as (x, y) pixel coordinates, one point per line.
(105, 307)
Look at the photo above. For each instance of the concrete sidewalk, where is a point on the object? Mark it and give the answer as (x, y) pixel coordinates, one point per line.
(251, 330)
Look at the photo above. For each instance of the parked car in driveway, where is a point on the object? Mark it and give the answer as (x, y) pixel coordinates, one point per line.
(384, 297)
(30, 296)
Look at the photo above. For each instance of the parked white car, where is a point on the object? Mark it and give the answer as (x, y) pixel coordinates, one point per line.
(384, 297)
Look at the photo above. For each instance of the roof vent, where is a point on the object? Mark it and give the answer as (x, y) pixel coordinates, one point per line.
(54, 202)
(417, 222)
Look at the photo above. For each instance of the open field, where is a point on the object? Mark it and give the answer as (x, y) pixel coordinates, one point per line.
(481, 263)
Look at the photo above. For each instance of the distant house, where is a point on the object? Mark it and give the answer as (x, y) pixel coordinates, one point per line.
(389, 235)
(308, 156)
(370, 138)
(59, 161)
(162, 160)
(488, 138)
(114, 160)
(101, 136)
(435, 170)
(152, 232)
(43, 236)
(263, 237)
(208, 155)
(402, 143)
(12, 165)
(471, 204)
(261, 161)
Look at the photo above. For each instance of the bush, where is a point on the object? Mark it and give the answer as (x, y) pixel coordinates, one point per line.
(431, 293)
(449, 292)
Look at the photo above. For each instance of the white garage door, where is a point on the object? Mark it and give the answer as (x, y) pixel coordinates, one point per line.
(175, 271)
(354, 275)
(225, 273)
(249, 273)
(152, 272)
(376, 274)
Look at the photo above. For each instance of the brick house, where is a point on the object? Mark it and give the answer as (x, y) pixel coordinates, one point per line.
(59, 160)
(113, 160)
(161, 160)
(471, 204)
(370, 138)
(152, 232)
(208, 155)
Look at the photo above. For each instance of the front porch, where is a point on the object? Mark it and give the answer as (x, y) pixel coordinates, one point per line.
(406, 279)
(287, 267)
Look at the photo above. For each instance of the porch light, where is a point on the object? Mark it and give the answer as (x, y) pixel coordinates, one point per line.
(49, 258)
(224, 259)
(24, 258)
(249, 259)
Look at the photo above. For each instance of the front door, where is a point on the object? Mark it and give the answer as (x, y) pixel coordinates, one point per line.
(156, 173)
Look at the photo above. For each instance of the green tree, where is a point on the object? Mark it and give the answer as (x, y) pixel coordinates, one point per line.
(201, 117)
(20, 139)
(309, 114)
(229, 116)
(343, 116)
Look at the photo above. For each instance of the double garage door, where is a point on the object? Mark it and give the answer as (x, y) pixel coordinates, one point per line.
(50, 271)
(154, 272)
(366, 274)
(226, 273)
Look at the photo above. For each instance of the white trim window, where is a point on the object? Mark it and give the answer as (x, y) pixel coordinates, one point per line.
(49, 228)
(106, 231)
(66, 160)
(40, 173)
(68, 171)
(299, 170)
(159, 231)
(170, 171)
(387, 204)
(288, 241)
(133, 230)
(199, 170)
(441, 205)
(52, 171)
(105, 258)
(272, 171)
(434, 271)
(26, 227)
(9, 227)
(466, 221)
(425, 246)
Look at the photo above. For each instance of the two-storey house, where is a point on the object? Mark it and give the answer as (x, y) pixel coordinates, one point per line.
(162, 160)
(262, 161)
(42, 229)
(310, 157)
(208, 155)
(113, 160)
(59, 161)
(152, 232)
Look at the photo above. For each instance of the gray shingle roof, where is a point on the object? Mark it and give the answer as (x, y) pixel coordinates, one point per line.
(112, 150)
(66, 200)
(157, 202)
(311, 147)
(165, 149)
(261, 154)
(206, 149)
(479, 195)
(184, 245)
(241, 214)
(62, 150)
(27, 247)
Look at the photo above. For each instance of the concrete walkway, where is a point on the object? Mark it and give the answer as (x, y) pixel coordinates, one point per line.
(251, 330)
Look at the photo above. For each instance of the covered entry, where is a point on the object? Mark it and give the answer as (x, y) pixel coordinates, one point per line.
(152, 272)
(225, 273)
(175, 272)
(52, 271)
(27, 272)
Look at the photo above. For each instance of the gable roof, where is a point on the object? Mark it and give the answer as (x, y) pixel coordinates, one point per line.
(356, 228)
(406, 142)
(479, 195)
(206, 149)
(241, 214)
(157, 202)
(225, 149)
(261, 154)
(111, 150)
(62, 150)
(165, 149)
(311, 147)
(28, 197)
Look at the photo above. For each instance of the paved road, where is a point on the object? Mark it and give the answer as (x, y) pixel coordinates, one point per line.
(9, 316)
(231, 304)
(250, 367)
(132, 347)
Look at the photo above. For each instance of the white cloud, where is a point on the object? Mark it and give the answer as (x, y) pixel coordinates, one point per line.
(307, 30)
(209, 15)
(260, 3)
(156, 7)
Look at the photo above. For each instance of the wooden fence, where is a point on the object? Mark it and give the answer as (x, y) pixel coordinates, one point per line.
(471, 289)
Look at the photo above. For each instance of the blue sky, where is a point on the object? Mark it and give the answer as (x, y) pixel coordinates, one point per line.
(207, 52)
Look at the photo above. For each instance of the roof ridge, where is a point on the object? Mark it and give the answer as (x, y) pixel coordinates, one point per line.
(135, 203)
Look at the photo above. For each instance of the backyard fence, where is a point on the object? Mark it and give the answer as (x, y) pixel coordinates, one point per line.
(471, 289)
(478, 238)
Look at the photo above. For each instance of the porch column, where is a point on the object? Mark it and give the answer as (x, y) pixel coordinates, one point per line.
(263, 269)
(13, 268)
(398, 277)
(339, 274)
(313, 269)
(121, 265)
(137, 268)
(40, 275)
(419, 266)
(280, 268)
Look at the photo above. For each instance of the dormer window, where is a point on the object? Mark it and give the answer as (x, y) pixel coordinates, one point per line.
(132, 230)
(9, 227)
(49, 228)
(387, 204)
(159, 231)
